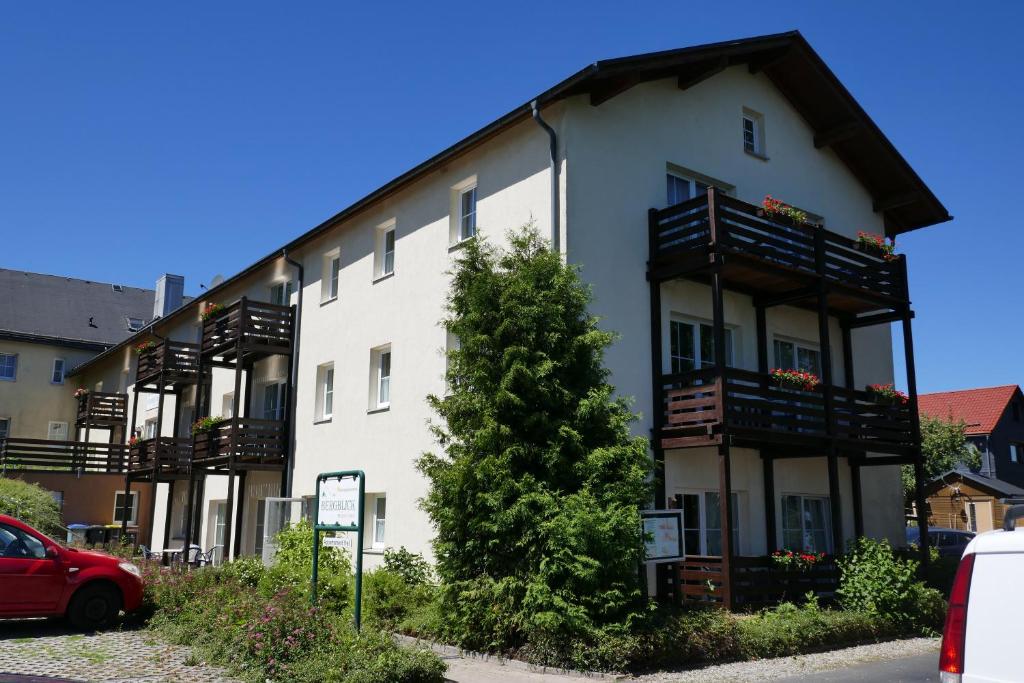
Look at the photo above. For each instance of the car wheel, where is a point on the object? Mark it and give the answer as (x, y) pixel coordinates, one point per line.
(94, 606)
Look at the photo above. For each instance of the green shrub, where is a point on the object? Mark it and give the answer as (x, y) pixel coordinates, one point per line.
(293, 565)
(876, 582)
(389, 599)
(248, 571)
(33, 505)
(410, 566)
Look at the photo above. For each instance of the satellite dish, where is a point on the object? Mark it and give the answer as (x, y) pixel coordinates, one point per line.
(217, 279)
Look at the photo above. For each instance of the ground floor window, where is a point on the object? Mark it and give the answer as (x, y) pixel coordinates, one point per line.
(220, 529)
(261, 513)
(133, 507)
(702, 523)
(380, 507)
(806, 523)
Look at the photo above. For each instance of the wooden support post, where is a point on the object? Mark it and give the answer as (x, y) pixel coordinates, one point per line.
(827, 393)
(771, 535)
(858, 502)
(725, 511)
(657, 389)
(762, 339)
(200, 492)
(847, 357)
(241, 513)
(233, 445)
(289, 410)
(126, 508)
(189, 510)
(915, 422)
(169, 513)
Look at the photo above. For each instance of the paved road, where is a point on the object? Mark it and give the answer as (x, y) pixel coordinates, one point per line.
(917, 669)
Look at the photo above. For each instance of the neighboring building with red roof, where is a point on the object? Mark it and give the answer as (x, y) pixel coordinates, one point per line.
(995, 424)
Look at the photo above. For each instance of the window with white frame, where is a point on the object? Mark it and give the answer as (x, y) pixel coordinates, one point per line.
(681, 187)
(149, 428)
(57, 376)
(463, 211)
(384, 253)
(261, 513)
(379, 508)
(380, 377)
(133, 507)
(9, 366)
(794, 355)
(330, 279)
(227, 405)
(692, 345)
(281, 293)
(134, 324)
(806, 523)
(325, 391)
(702, 523)
(753, 132)
(5, 427)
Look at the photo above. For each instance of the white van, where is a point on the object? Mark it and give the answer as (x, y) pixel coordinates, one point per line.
(980, 639)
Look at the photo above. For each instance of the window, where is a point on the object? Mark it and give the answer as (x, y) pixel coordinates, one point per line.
(281, 293)
(227, 405)
(57, 431)
(5, 427)
(134, 324)
(467, 213)
(380, 506)
(797, 356)
(261, 513)
(692, 346)
(753, 132)
(380, 378)
(133, 511)
(273, 401)
(702, 523)
(972, 517)
(1016, 450)
(325, 391)
(8, 366)
(57, 376)
(452, 344)
(681, 188)
(149, 429)
(384, 255)
(17, 544)
(806, 523)
(329, 283)
(219, 528)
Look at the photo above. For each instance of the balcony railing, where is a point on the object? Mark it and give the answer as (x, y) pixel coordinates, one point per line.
(246, 441)
(161, 455)
(757, 581)
(699, 405)
(690, 232)
(255, 326)
(70, 456)
(177, 361)
(98, 409)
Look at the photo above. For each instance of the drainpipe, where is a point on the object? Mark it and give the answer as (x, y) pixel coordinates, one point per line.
(553, 160)
(294, 379)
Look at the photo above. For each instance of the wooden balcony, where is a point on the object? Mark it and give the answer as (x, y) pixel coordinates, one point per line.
(771, 256)
(756, 582)
(244, 443)
(160, 458)
(62, 456)
(248, 328)
(700, 406)
(168, 363)
(103, 410)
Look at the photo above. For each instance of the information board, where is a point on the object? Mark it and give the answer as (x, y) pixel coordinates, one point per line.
(663, 535)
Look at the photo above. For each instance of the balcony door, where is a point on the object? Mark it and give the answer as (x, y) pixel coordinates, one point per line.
(692, 345)
(702, 523)
(273, 401)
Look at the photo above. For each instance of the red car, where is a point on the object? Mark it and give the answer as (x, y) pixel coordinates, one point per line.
(41, 578)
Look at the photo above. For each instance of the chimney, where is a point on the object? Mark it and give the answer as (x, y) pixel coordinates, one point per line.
(170, 289)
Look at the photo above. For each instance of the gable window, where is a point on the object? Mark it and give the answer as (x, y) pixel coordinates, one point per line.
(1016, 451)
(273, 401)
(753, 132)
(806, 524)
(8, 366)
(692, 346)
(5, 427)
(133, 507)
(384, 259)
(791, 355)
(379, 509)
(467, 213)
(380, 390)
(330, 279)
(134, 324)
(702, 523)
(325, 392)
(462, 211)
(57, 376)
(281, 293)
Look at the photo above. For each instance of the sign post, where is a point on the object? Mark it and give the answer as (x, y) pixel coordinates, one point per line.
(339, 507)
(663, 532)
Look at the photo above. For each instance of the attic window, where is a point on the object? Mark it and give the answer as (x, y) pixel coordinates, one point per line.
(753, 132)
(117, 288)
(135, 324)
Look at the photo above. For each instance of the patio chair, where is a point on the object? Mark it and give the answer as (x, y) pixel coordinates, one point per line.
(207, 558)
(148, 554)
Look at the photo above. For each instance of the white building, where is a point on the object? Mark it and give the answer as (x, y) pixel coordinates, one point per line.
(748, 118)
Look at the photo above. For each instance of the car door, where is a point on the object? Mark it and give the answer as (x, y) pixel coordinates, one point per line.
(30, 582)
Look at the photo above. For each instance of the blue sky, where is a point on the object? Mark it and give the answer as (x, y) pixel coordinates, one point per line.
(198, 137)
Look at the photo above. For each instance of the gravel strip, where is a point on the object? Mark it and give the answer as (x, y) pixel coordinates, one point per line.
(768, 669)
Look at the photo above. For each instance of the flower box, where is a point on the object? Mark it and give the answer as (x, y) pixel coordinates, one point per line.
(790, 560)
(795, 379)
(81, 392)
(211, 311)
(887, 394)
(205, 425)
(142, 347)
(774, 208)
(876, 245)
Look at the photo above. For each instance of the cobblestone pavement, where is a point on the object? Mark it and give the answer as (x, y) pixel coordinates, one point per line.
(48, 648)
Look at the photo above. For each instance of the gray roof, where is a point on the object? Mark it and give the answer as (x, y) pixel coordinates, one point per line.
(998, 486)
(65, 310)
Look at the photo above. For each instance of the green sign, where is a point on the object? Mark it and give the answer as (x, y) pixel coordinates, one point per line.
(339, 507)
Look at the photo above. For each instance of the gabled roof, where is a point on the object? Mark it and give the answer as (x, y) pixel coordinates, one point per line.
(839, 122)
(996, 487)
(67, 311)
(979, 408)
